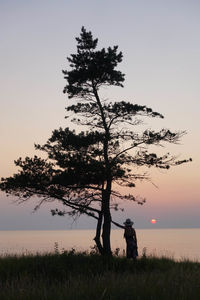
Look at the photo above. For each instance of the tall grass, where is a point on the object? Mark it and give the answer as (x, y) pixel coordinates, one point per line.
(82, 276)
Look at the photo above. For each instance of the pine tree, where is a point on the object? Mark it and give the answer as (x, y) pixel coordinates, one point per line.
(84, 166)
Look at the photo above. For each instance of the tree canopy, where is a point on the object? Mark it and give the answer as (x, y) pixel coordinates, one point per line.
(84, 166)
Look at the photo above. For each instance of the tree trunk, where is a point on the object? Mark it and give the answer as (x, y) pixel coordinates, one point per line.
(105, 193)
(97, 238)
(107, 222)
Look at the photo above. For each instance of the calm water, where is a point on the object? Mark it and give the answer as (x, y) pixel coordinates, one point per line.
(176, 243)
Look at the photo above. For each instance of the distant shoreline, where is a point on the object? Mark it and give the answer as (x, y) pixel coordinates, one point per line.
(78, 229)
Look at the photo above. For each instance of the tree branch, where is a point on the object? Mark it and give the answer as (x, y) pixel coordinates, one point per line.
(117, 224)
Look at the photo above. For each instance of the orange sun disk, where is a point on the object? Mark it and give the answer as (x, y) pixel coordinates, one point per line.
(153, 221)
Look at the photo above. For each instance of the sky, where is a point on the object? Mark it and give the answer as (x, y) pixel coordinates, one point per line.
(160, 41)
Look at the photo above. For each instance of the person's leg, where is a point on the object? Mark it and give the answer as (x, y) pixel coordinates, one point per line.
(128, 252)
(134, 253)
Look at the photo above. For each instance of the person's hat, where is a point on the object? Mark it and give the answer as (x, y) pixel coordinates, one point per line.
(128, 222)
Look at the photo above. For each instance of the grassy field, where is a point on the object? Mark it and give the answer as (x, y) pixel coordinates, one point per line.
(83, 276)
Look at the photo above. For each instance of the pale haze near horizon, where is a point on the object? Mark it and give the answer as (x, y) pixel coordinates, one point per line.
(160, 42)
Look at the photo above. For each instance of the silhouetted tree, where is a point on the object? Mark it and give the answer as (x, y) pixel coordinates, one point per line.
(83, 168)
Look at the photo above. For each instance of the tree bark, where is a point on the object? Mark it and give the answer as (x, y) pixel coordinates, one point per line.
(97, 238)
(107, 222)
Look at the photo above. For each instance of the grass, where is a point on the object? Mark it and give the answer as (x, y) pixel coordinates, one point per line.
(89, 276)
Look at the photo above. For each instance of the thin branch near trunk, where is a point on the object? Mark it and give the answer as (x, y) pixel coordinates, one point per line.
(127, 149)
(65, 201)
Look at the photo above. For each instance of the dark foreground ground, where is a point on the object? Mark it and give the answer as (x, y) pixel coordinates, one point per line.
(82, 276)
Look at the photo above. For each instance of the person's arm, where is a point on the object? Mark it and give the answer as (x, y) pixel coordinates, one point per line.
(118, 225)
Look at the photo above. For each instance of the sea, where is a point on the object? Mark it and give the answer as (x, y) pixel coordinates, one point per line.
(179, 244)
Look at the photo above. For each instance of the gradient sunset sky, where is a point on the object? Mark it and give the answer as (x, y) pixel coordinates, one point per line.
(160, 41)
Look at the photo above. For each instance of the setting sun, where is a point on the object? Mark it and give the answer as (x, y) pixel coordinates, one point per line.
(153, 221)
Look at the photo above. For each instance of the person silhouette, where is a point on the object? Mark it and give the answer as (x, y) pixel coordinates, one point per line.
(131, 239)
